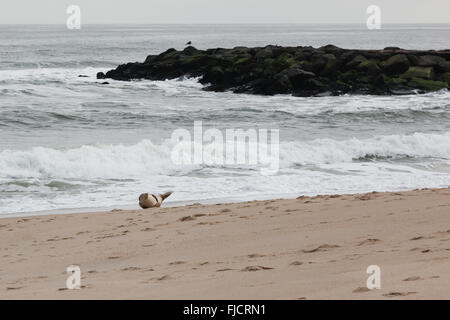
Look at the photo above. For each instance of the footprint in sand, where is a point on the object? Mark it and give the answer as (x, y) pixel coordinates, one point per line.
(398, 294)
(296, 263)
(186, 218)
(256, 255)
(324, 247)
(225, 269)
(421, 250)
(368, 242)
(255, 268)
(130, 269)
(364, 197)
(415, 278)
(13, 288)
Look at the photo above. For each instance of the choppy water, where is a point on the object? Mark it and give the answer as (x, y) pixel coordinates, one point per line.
(69, 141)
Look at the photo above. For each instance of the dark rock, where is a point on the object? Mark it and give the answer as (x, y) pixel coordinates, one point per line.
(329, 48)
(101, 75)
(396, 64)
(293, 77)
(443, 66)
(356, 61)
(419, 72)
(392, 49)
(444, 77)
(300, 71)
(369, 66)
(427, 85)
(190, 50)
(425, 60)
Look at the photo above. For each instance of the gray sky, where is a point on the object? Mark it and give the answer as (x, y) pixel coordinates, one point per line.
(223, 11)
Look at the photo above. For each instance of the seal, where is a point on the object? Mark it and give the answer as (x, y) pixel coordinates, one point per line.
(149, 200)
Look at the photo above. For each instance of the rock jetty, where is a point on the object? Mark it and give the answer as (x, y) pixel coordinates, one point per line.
(300, 71)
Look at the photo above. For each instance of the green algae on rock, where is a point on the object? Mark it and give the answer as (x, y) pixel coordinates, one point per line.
(300, 71)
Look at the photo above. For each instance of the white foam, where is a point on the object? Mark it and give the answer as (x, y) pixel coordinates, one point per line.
(423, 145)
(146, 158)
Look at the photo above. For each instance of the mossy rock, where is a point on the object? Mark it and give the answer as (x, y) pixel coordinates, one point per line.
(294, 75)
(419, 72)
(216, 74)
(356, 61)
(320, 61)
(271, 67)
(343, 85)
(396, 64)
(190, 59)
(364, 79)
(350, 75)
(445, 77)
(425, 60)
(305, 65)
(314, 84)
(168, 53)
(443, 66)
(285, 60)
(265, 53)
(275, 69)
(243, 59)
(332, 67)
(370, 67)
(395, 81)
(427, 85)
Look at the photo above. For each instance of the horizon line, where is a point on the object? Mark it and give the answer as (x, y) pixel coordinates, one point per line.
(234, 23)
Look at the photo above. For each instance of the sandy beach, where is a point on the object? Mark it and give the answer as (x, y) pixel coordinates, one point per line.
(305, 248)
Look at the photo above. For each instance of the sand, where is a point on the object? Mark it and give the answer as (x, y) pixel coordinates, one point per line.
(306, 248)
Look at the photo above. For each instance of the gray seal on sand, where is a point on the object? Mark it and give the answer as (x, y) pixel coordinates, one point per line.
(149, 200)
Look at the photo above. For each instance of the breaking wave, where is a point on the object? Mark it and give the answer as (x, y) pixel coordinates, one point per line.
(147, 158)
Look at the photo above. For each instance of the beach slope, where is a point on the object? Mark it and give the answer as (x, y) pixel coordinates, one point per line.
(305, 248)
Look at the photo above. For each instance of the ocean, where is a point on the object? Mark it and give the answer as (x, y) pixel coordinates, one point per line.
(70, 142)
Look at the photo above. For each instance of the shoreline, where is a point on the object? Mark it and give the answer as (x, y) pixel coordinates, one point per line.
(128, 207)
(305, 248)
(184, 203)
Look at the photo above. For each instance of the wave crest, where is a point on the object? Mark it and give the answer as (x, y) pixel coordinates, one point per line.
(148, 159)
